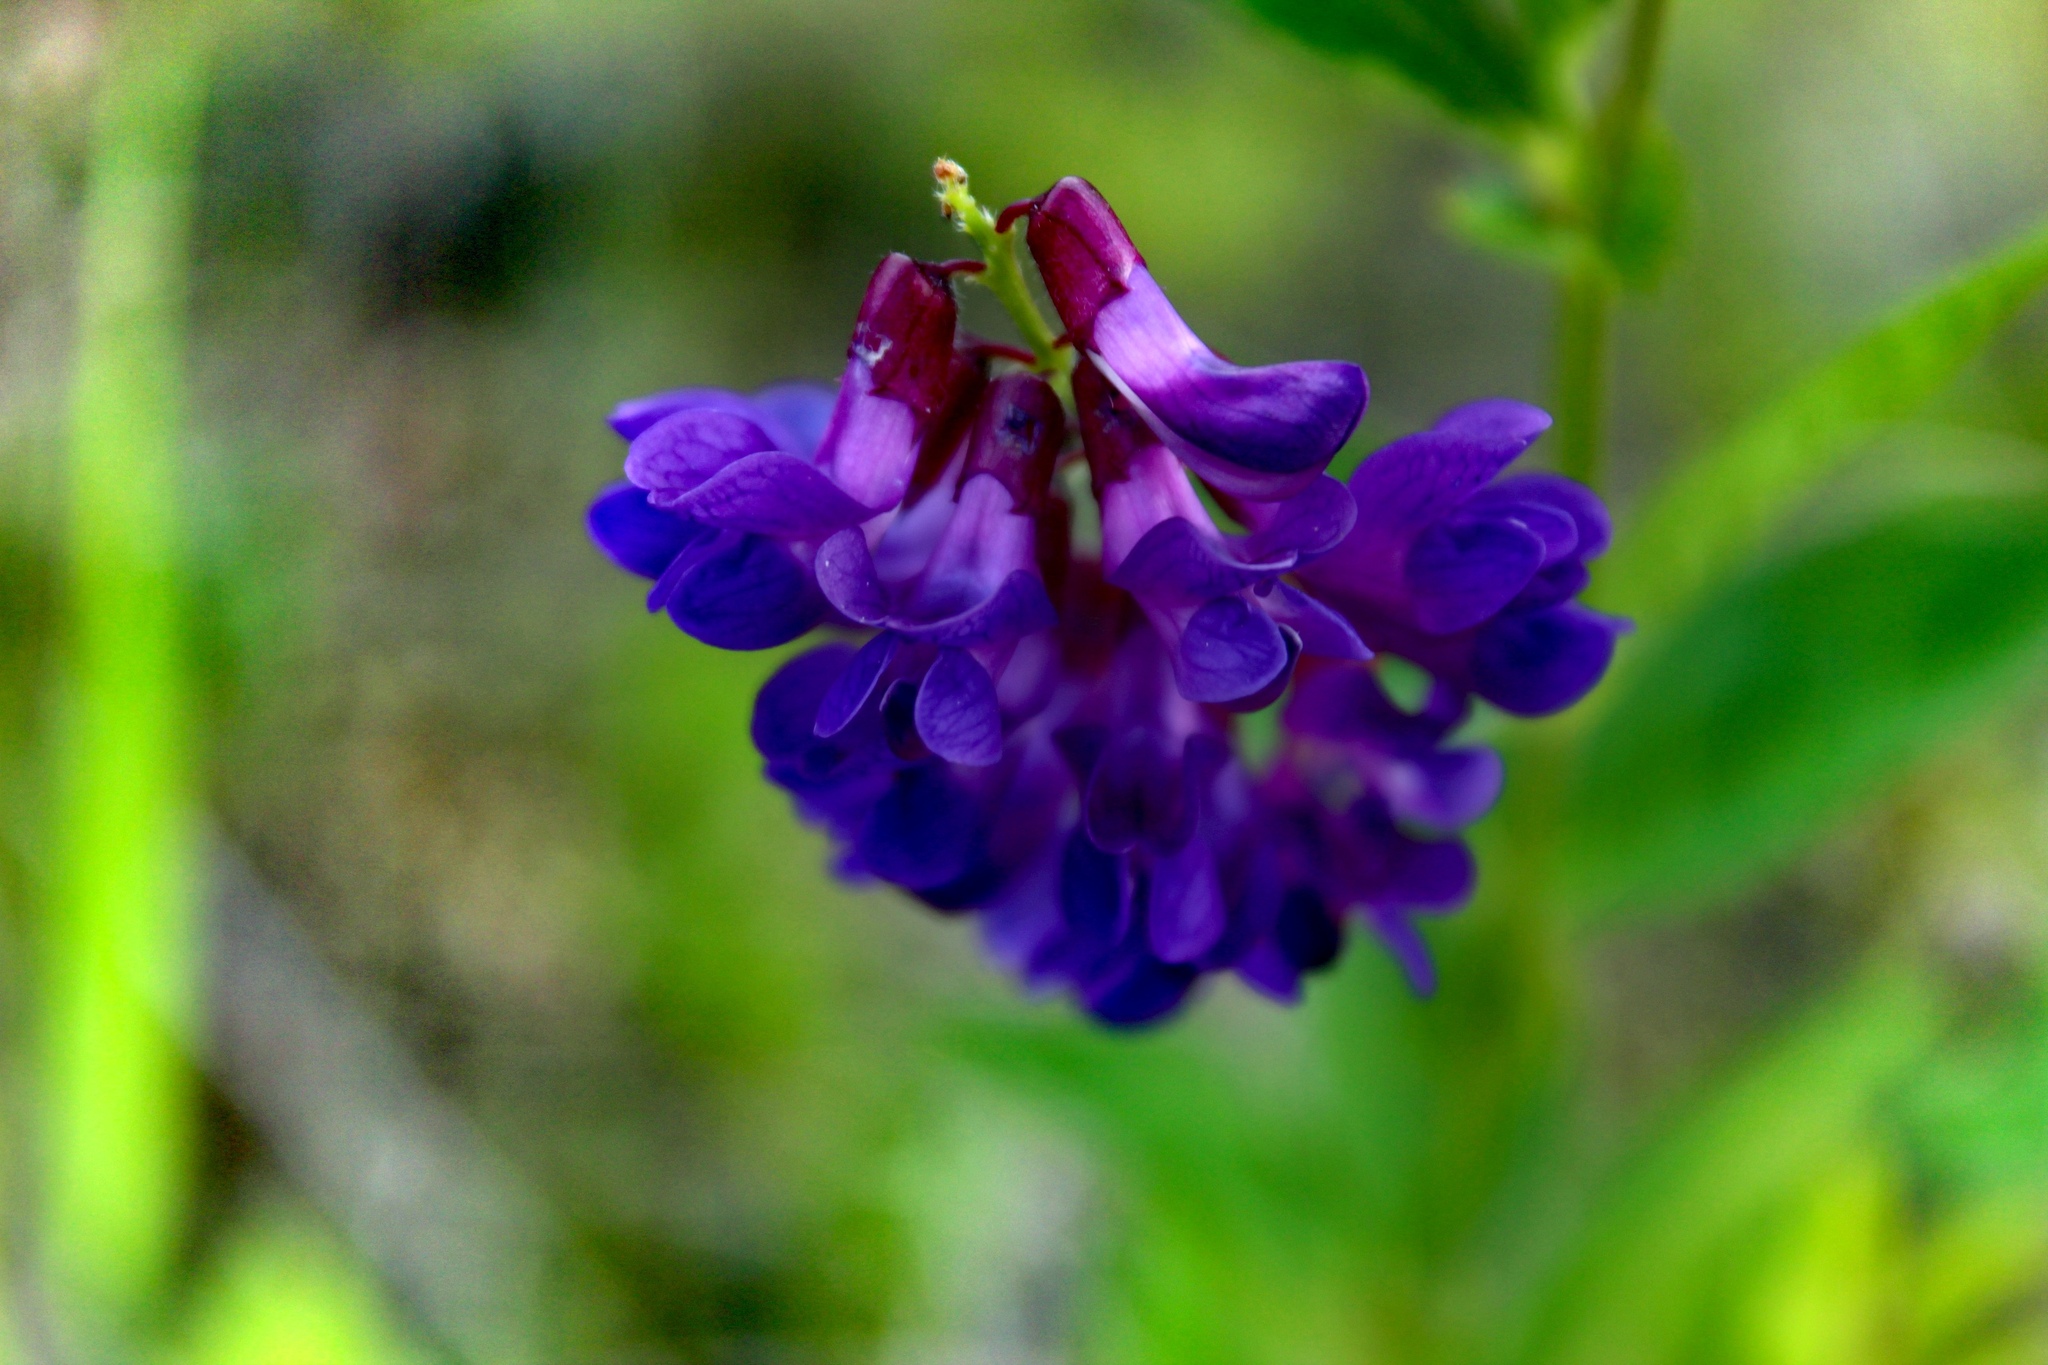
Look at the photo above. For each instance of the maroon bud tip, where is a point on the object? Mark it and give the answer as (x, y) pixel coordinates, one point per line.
(966, 265)
(905, 333)
(1111, 432)
(1083, 253)
(1017, 437)
(1012, 212)
(983, 349)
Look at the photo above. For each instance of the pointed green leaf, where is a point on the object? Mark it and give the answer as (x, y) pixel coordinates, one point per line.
(1632, 1282)
(1720, 504)
(1471, 58)
(1798, 692)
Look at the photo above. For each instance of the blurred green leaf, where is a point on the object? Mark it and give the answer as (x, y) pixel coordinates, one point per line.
(1649, 213)
(1472, 58)
(1799, 691)
(118, 1097)
(1554, 21)
(282, 1291)
(1497, 215)
(1722, 502)
(1631, 1284)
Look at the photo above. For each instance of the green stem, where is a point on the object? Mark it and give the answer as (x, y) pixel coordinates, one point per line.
(1584, 333)
(1587, 291)
(118, 1091)
(1004, 276)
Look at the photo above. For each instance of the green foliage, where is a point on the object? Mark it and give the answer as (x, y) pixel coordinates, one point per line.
(1465, 54)
(1649, 214)
(118, 950)
(1722, 502)
(1636, 1281)
(1800, 690)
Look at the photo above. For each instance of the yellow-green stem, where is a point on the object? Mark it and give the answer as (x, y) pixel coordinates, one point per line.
(1584, 329)
(118, 1095)
(1004, 275)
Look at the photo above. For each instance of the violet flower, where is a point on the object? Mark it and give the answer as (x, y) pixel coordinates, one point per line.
(1042, 737)
(1470, 576)
(1260, 433)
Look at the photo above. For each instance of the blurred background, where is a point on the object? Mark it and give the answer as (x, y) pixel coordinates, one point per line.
(401, 958)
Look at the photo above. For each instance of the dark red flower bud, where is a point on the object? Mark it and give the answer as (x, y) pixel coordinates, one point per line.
(905, 333)
(1082, 250)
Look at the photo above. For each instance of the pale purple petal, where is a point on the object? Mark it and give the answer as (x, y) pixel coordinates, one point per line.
(752, 594)
(796, 415)
(1175, 562)
(1460, 571)
(1312, 522)
(681, 451)
(772, 493)
(1443, 789)
(636, 415)
(1535, 663)
(846, 575)
(1185, 910)
(637, 537)
(1323, 632)
(854, 685)
(957, 715)
(1018, 607)
(1263, 432)
(1228, 650)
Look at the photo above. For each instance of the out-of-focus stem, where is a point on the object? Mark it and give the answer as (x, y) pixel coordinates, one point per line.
(118, 955)
(1584, 330)
(1587, 290)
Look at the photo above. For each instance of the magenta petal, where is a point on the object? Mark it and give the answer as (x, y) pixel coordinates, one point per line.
(1228, 650)
(1263, 433)
(1185, 910)
(683, 450)
(1175, 562)
(1312, 522)
(854, 685)
(1460, 572)
(846, 574)
(772, 494)
(1323, 632)
(957, 715)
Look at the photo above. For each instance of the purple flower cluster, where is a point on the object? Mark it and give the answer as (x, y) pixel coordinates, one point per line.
(1040, 733)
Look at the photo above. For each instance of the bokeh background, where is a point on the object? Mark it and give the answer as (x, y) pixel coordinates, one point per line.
(402, 960)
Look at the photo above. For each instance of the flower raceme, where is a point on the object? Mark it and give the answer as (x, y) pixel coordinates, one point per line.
(1016, 726)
